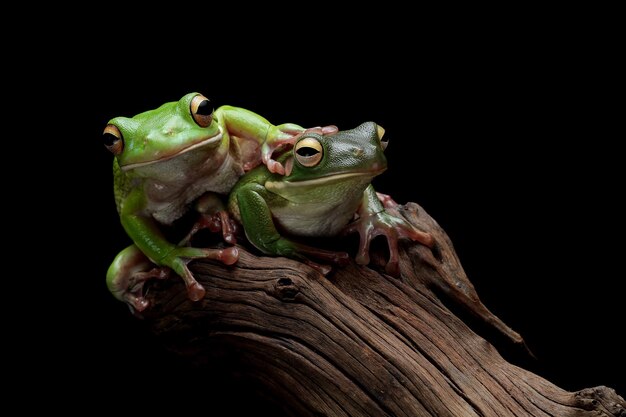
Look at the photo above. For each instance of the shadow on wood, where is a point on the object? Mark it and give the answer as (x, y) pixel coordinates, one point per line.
(359, 342)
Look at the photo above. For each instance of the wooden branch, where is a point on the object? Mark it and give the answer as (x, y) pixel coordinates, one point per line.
(359, 342)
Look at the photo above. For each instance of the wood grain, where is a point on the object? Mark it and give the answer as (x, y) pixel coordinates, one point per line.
(359, 342)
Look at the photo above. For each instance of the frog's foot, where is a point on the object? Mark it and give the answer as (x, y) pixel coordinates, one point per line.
(213, 216)
(182, 255)
(387, 201)
(286, 135)
(206, 221)
(393, 228)
(220, 221)
(134, 294)
(128, 273)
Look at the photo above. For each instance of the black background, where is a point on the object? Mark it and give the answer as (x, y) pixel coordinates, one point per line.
(505, 142)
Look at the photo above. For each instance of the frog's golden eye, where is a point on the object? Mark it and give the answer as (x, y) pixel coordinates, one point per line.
(201, 110)
(113, 139)
(309, 152)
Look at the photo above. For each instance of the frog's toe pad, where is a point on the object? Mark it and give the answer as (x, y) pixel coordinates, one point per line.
(362, 258)
(196, 292)
(275, 167)
(229, 256)
(138, 304)
(230, 238)
(393, 268)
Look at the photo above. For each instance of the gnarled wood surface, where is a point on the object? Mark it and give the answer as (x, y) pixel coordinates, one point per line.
(361, 343)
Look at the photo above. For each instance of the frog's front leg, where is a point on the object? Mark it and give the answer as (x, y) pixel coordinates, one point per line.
(374, 221)
(127, 275)
(260, 230)
(250, 132)
(259, 133)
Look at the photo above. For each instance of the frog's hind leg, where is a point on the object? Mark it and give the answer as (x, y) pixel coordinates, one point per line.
(304, 252)
(127, 275)
(213, 216)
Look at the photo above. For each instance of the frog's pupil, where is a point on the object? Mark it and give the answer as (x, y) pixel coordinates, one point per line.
(307, 151)
(204, 108)
(110, 139)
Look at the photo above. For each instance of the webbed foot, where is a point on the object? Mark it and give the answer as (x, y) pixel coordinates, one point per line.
(393, 228)
(127, 275)
(217, 222)
(181, 256)
(213, 216)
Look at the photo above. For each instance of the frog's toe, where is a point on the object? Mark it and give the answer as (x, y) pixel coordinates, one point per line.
(341, 258)
(424, 238)
(321, 268)
(229, 227)
(206, 221)
(363, 253)
(137, 303)
(393, 268)
(275, 167)
(229, 256)
(140, 304)
(230, 238)
(362, 258)
(330, 130)
(387, 201)
(195, 291)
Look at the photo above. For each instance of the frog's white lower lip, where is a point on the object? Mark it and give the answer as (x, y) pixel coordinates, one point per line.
(282, 185)
(207, 141)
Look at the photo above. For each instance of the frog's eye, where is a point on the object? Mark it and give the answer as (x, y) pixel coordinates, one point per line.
(381, 133)
(309, 152)
(113, 139)
(201, 110)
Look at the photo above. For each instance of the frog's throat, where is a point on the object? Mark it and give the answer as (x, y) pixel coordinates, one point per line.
(208, 141)
(328, 179)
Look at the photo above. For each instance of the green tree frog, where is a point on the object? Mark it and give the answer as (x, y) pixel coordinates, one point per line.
(326, 192)
(164, 160)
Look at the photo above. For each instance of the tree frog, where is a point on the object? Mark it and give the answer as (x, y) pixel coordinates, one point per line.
(164, 160)
(326, 191)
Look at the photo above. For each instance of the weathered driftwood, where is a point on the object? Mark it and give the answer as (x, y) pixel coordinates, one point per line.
(359, 342)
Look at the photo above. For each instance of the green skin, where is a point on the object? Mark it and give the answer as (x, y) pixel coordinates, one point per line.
(321, 200)
(169, 160)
